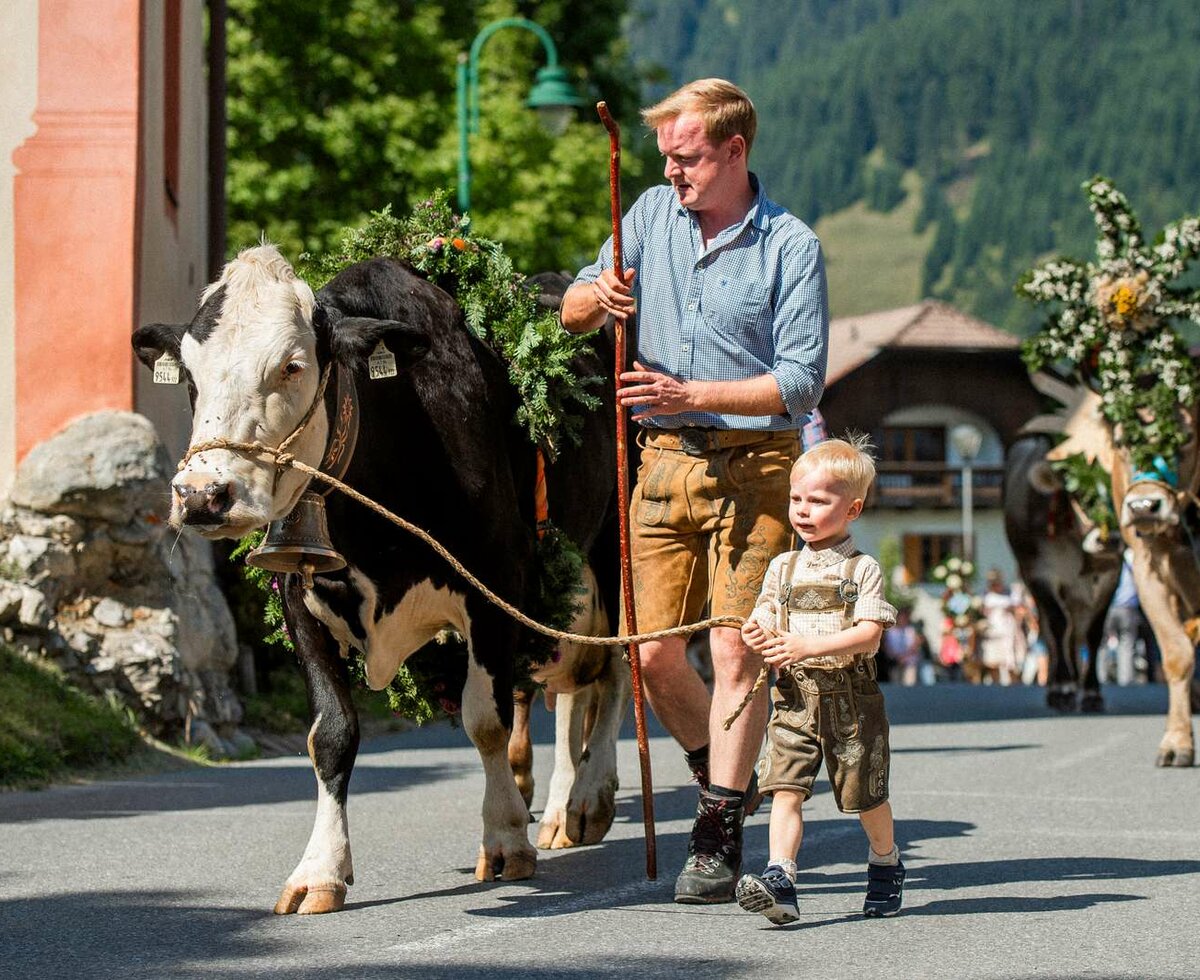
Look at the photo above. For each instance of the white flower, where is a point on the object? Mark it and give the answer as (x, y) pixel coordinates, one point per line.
(954, 582)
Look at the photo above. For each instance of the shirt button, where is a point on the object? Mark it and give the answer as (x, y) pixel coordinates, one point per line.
(691, 306)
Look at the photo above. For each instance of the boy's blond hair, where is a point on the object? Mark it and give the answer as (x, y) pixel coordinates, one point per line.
(726, 110)
(848, 461)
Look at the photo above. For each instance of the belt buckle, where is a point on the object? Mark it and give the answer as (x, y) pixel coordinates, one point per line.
(693, 442)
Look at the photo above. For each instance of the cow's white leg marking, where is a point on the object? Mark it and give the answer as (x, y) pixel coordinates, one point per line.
(582, 798)
(505, 846)
(319, 882)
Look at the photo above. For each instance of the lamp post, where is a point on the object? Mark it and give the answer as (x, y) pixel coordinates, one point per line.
(967, 441)
(552, 96)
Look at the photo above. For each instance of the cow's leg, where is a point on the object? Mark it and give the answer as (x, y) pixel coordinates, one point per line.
(1177, 747)
(1058, 634)
(570, 709)
(1092, 701)
(487, 716)
(520, 745)
(319, 882)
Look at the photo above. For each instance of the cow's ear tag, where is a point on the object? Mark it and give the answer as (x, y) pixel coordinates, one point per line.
(381, 363)
(166, 370)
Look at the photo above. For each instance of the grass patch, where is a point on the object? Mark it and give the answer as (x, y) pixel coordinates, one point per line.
(48, 727)
(874, 261)
(281, 706)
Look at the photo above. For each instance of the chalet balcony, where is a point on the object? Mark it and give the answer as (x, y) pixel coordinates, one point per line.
(904, 485)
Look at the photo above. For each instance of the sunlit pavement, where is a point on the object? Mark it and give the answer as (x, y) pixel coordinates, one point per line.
(1037, 846)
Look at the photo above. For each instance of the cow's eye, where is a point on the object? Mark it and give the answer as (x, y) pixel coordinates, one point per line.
(292, 369)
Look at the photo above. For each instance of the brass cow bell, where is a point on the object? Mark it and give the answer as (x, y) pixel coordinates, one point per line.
(299, 542)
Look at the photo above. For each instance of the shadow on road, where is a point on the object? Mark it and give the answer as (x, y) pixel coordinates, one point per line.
(207, 789)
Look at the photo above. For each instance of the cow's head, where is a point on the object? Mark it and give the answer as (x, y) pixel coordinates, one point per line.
(1152, 504)
(253, 358)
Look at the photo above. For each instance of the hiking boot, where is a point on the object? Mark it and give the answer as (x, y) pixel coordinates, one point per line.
(772, 893)
(885, 889)
(752, 798)
(714, 853)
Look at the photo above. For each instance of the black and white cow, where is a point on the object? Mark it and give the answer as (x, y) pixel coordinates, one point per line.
(436, 445)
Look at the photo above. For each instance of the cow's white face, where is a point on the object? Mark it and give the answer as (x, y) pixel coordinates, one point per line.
(251, 356)
(1150, 508)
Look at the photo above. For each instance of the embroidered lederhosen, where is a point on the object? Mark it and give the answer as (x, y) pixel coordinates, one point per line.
(832, 714)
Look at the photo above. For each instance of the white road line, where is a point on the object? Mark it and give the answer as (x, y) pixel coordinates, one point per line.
(606, 899)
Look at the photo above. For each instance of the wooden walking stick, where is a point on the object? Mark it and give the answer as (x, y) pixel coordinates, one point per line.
(635, 660)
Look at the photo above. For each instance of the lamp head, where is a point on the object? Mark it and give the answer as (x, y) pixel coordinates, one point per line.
(554, 99)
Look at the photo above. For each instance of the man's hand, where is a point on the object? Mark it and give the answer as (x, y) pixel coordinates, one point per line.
(615, 296)
(654, 393)
(787, 650)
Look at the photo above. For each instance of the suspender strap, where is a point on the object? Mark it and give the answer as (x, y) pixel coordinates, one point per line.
(785, 590)
(848, 608)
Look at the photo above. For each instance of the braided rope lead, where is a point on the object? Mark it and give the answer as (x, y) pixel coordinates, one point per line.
(284, 459)
(758, 686)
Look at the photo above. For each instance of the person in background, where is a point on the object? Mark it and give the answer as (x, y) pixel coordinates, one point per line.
(902, 645)
(998, 656)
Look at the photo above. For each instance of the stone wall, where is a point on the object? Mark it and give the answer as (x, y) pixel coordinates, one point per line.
(93, 579)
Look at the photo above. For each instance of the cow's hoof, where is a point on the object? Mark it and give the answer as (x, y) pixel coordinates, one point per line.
(1062, 699)
(589, 823)
(514, 866)
(552, 835)
(1092, 704)
(314, 900)
(1174, 758)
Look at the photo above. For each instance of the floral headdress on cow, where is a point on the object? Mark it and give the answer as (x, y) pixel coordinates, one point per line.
(1112, 327)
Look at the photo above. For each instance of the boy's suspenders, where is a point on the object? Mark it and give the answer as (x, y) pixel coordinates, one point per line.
(849, 599)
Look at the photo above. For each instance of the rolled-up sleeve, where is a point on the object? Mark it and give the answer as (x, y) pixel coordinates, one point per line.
(871, 604)
(801, 328)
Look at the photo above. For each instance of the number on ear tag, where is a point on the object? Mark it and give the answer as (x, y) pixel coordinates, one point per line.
(381, 363)
(166, 370)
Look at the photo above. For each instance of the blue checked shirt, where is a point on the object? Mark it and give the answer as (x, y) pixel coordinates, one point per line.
(753, 302)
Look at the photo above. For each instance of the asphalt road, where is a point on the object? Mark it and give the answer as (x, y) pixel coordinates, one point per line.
(1037, 846)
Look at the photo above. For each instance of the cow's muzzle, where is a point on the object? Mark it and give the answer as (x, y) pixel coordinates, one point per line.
(1149, 511)
(204, 504)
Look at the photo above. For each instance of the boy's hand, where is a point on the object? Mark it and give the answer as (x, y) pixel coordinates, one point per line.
(756, 635)
(784, 651)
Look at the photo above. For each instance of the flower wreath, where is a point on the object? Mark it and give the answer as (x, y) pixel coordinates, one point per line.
(1111, 327)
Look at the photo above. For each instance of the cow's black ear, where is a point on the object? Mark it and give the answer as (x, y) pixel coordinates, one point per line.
(355, 337)
(155, 339)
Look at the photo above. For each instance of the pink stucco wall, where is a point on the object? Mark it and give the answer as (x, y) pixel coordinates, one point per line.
(75, 218)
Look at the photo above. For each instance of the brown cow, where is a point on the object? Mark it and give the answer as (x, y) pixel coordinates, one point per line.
(1154, 524)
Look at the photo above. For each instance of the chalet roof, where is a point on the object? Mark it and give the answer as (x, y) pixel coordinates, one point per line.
(930, 325)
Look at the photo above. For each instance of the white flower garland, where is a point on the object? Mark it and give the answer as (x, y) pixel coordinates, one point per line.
(1111, 326)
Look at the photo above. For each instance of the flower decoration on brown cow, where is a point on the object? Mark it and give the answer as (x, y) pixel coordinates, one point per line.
(1112, 324)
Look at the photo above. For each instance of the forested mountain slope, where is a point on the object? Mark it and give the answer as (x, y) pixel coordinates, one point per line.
(999, 109)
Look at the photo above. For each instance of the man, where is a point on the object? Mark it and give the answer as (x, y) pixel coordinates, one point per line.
(733, 329)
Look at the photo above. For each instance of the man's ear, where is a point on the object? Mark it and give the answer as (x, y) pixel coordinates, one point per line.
(155, 339)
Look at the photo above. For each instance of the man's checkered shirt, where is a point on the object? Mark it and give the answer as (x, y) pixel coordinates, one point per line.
(827, 567)
(753, 302)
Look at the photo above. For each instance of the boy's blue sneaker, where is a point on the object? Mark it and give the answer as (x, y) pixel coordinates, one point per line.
(885, 890)
(771, 893)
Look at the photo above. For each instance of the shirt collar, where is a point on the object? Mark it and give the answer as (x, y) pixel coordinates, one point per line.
(825, 557)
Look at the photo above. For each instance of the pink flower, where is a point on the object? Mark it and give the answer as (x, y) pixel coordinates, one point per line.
(435, 244)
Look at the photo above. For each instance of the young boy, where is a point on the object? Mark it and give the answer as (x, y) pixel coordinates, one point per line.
(818, 622)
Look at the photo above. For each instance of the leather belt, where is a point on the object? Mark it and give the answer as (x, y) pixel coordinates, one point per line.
(696, 441)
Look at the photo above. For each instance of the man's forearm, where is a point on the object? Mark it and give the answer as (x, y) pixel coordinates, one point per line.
(581, 311)
(754, 396)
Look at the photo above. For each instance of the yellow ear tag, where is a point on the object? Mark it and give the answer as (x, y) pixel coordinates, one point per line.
(381, 363)
(166, 370)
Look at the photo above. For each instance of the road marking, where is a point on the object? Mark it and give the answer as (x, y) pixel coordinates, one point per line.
(1100, 748)
(605, 899)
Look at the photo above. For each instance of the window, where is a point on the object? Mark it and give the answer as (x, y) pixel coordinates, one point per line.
(172, 28)
(923, 551)
(912, 444)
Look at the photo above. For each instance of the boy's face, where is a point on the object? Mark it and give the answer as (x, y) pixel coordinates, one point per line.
(821, 508)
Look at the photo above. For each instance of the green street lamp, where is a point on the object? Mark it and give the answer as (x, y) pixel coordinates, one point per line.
(553, 96)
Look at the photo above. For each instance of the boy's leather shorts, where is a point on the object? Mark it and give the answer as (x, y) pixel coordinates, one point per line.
(835, 715)
(709, 512)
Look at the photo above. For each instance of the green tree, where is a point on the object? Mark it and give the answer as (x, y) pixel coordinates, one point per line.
(337, 109)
